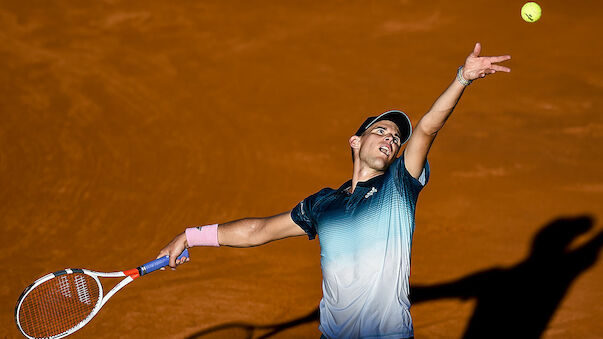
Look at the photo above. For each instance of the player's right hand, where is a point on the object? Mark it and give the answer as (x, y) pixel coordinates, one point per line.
(173, 249)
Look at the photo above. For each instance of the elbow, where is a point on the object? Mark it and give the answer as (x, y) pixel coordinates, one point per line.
(427, 128)
(241, 233)
(255, 232)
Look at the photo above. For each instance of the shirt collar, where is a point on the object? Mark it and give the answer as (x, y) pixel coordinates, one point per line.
(345, 188)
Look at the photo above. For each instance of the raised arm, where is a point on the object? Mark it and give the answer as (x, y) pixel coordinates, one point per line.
(248, 232)
(427, 128)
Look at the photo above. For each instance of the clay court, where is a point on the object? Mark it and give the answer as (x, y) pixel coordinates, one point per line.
(122, 123)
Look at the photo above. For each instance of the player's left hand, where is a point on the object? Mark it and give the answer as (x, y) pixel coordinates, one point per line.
(479, 66)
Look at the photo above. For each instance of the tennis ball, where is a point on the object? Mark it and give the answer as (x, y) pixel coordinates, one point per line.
(531, 11)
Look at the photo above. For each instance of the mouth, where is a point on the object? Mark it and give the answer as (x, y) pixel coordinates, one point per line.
(385, 150)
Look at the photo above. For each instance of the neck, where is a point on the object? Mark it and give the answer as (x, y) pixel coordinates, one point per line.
(361, 173)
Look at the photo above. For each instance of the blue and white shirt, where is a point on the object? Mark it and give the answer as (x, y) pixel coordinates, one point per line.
(365, 241)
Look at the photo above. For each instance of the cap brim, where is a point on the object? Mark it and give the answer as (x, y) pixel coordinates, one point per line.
(399, 118)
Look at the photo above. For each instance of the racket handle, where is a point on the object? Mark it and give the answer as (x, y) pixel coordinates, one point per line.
(159, 263)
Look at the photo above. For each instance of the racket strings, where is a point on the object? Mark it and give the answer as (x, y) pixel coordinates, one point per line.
(58, 305)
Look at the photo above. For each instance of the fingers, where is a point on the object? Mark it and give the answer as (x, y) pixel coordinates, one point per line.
(486, 72)
(498, 68)
(476, 50)
(500, 58)
(162, 254)
(493, 69)
(479, 67)
(164, 251)
(173, 261)
(173, 251)
(172, 254)
(182, 260)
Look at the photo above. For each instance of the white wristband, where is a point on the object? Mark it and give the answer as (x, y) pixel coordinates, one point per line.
(459, 77)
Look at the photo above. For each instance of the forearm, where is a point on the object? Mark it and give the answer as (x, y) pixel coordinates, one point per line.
(441, 109)
(239, 233)
(475, 67)
(247, 232)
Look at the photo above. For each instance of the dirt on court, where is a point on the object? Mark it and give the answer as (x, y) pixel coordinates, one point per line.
(122, 123)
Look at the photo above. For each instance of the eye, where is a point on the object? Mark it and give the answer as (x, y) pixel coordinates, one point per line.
(380, 130)
(397, 140)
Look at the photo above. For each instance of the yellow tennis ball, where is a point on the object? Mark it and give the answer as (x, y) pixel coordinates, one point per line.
(531, 11)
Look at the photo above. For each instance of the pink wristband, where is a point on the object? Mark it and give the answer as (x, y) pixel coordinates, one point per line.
(202, 236)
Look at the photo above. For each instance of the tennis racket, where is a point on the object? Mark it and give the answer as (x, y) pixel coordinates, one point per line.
(60, 303)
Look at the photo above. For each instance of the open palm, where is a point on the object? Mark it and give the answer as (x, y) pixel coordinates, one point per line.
(479, 66)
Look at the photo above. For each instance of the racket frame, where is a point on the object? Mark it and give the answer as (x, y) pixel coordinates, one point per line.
(129, 275)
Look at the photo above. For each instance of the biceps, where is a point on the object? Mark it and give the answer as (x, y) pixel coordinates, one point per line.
(280, 226)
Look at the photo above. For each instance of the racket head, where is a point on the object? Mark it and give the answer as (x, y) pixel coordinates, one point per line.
(58, 304)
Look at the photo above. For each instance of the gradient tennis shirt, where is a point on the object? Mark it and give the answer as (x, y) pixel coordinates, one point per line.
(365, 240)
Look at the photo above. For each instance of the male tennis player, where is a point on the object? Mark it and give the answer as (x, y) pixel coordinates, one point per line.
(365, 227)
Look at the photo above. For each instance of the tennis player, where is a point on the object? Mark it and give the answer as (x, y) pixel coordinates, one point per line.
(365, 227)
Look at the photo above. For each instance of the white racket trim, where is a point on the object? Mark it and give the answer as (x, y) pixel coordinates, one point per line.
(129, 275)
(102, 299)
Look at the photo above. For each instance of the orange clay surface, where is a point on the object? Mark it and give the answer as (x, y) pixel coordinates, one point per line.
(122, 123)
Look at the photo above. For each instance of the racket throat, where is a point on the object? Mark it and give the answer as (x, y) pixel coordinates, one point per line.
(134, 273)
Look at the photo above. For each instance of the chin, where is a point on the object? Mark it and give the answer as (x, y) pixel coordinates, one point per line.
(380, 164)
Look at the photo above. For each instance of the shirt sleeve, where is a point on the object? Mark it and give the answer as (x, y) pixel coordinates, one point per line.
(403, 177)
(305, 213)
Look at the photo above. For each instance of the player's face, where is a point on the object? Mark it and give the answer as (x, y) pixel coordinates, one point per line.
(380, 145)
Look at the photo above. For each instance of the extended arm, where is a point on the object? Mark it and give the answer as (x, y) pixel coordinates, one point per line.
(242, 233)
(427, 128)
(258, 231)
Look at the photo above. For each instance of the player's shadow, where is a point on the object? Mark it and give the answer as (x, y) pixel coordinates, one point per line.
(519, 301)
(510, 302)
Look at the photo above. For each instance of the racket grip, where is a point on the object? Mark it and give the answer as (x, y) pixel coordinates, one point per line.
(159, 263)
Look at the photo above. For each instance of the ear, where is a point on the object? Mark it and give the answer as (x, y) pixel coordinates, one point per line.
(355, 142)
